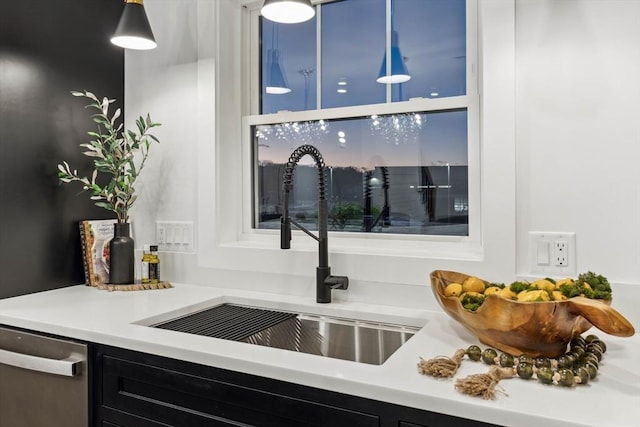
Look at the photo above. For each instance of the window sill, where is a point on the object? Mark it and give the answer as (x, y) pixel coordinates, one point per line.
(365, 260)
(378, 245)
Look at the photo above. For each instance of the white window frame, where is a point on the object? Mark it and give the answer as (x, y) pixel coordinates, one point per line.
(225, 237)
(470, 102)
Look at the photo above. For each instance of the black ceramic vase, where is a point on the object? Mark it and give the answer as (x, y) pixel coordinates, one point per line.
(121, 257)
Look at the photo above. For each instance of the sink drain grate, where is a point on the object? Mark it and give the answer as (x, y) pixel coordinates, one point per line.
(227, 321)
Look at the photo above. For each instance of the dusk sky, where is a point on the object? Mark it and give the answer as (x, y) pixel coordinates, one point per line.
(441, 139)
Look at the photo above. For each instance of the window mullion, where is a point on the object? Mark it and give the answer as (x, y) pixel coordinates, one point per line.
(388, 47)
(319, 57)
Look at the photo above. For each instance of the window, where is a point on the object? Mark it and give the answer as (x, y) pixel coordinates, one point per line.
(398, 154)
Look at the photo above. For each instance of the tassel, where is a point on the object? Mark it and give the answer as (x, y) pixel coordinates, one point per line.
(441, 366)
(484, 384)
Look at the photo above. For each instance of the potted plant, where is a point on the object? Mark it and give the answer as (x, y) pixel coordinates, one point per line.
(121, 155)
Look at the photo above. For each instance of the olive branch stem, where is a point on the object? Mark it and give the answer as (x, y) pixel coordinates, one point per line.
(113, 151)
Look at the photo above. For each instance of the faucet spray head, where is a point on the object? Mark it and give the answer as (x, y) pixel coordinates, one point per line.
(285, 222)
(285, 232)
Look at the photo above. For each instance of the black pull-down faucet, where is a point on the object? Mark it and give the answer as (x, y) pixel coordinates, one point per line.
(325, 282)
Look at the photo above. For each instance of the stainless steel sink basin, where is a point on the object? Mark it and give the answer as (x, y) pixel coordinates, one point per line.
(347, 339)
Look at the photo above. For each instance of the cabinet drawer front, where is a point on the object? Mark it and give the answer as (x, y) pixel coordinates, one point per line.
(172, 397)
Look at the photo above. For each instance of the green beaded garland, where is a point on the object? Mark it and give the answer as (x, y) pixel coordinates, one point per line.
(578, 366)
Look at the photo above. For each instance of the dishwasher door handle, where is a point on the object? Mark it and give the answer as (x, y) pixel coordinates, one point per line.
(69, 367)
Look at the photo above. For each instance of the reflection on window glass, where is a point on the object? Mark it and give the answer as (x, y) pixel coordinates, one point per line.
(352, 48)
(288, 63)
(427, 36)
(432, 38)
(399, 173)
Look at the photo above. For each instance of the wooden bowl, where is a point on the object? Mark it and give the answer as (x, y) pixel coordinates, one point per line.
(533, 328)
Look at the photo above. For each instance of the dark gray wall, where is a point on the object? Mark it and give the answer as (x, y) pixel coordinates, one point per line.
(47, 49)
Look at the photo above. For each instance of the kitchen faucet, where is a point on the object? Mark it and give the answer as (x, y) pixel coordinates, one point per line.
(325, 282)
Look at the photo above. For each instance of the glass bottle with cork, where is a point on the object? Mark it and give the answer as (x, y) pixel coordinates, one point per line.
(150, 264)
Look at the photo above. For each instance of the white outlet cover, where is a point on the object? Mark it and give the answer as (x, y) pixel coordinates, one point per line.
(543, 264)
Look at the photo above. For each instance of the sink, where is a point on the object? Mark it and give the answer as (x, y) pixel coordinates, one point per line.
(347, 339)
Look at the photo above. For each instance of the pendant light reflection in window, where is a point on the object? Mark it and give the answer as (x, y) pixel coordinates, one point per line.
(276, 79)
(396, 72)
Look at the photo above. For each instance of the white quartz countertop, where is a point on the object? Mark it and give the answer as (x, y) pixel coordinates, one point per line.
(118, 318)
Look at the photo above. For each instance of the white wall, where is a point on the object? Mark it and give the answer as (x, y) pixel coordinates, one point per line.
(162, 82)
(578, 133)
(573, 100)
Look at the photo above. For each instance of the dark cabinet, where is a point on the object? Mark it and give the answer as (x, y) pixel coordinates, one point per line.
(133, 389)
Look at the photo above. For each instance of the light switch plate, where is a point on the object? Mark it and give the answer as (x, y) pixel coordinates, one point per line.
(175, 236)
(553, 253)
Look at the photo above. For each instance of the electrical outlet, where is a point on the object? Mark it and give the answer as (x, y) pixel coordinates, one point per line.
(175, 236)
(553, 253)
(560, 253)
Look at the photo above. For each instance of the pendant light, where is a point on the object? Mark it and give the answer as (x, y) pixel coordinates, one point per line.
(399, 72)
(287, 11)
(134, 31)
(276, 79)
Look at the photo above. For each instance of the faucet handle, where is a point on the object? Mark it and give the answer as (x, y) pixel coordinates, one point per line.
(325, 282)
(337, 282)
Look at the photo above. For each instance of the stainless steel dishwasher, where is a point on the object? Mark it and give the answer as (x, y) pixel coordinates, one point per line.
(43, 381)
